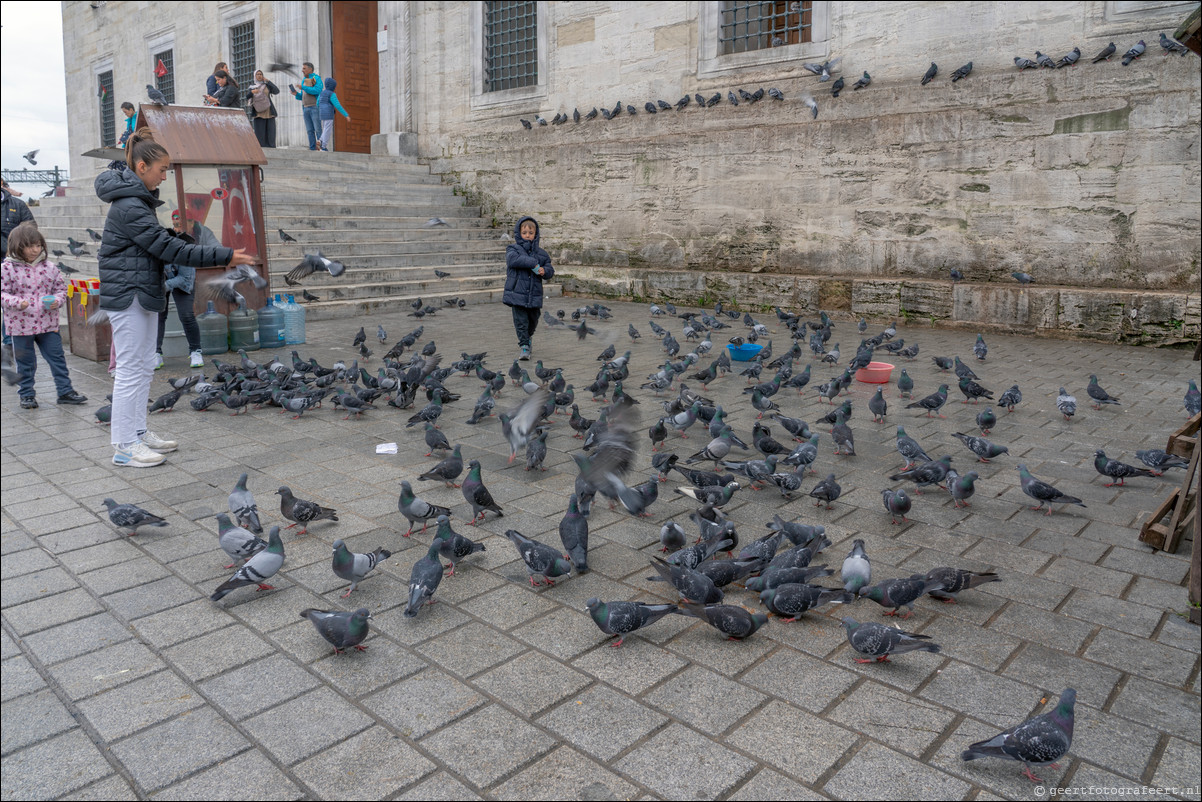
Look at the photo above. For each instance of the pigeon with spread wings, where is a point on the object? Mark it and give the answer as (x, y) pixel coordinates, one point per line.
(312, 263)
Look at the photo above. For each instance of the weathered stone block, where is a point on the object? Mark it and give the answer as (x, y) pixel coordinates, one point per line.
(575, 33)
(875, 298)
(1097, 315)
(926, 300)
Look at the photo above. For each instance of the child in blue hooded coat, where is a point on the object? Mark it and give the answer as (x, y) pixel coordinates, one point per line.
(327, 104)
(527, 267)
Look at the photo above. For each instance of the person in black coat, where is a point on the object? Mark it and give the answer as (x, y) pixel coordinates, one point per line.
(527, 266)
(227, 93)
(133, 250)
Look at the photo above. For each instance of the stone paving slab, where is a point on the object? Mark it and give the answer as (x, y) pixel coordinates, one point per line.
(122, 680)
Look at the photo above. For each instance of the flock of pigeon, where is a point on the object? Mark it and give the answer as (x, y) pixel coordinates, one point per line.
(824, 71)
(778, 565)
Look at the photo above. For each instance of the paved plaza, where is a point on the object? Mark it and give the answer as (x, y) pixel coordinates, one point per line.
(121, 679)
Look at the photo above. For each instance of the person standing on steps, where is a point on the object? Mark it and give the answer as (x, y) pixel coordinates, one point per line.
(227, 93)
(527, 266)
(262, 109)
(327, 104)
(211, 82)
(311, 86)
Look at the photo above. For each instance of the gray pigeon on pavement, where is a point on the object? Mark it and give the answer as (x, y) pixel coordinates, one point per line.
(1159, 461)
(692, 585)
(897, 503)
(303, 512)
(1038, 741)
(898, 593)
(242, 505)
(127, 516)
(734, 622)
(353, 567)
(622, 617)
(423, 581)
(1116, 470)
(573, 531)
(954, 580)
(857, 568)
(1043, 492)
(344, 630)
(237, 542)
(984, 449)
(672, 536)
(792, 600)
(446, 471)
(828, 490)
(414, 509)
(879, 641)
(258, 569)
(541, 559)
(1067, 404)
(1097, 394)
(909, 448)
(453, 545)
(477, 494)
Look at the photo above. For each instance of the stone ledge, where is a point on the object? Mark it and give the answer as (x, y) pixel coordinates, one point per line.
(1108, 315)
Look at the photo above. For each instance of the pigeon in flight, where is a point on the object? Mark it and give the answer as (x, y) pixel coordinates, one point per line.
(30, 157)
(313, 263)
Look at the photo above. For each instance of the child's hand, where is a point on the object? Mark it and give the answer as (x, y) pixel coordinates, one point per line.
(24, 305)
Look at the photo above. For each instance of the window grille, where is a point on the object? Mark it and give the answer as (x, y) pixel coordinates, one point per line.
(242, 54)
(510, 45)
(108, 132)
(166, 83)
(758, 26)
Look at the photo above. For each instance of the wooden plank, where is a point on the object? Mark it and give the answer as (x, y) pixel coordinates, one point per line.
(1184, 503)
(1183, 441)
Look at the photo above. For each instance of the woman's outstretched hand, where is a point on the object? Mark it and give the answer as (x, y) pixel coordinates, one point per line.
(241, 257)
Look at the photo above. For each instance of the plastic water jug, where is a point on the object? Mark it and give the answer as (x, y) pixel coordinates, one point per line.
(271, 326)
(294, 322)
(214, 331)
(244, 329)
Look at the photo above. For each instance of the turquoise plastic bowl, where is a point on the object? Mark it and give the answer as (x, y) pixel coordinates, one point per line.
(745, 352)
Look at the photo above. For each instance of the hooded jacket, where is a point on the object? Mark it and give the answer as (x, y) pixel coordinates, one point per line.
(135, 246)
(14, 212)
(523, 287)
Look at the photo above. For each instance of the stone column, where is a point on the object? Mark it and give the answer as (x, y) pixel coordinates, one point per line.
(396, 135)
(290, 42)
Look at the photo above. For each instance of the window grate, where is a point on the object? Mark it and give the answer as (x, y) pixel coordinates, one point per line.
(108, 116)
(510, 45)
(758, 26)
(166, 83)
(242, 54)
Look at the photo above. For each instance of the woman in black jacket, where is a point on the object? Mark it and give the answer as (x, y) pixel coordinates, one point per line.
(133, 250)
(262, 109)
(227, 93)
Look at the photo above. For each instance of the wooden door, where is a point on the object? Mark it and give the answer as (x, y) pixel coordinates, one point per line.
(357, 70)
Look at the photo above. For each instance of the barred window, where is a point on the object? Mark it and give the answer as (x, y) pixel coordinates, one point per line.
(108, 132)
(166, 83)
(510, 45)
(757, 26)
(242, 53)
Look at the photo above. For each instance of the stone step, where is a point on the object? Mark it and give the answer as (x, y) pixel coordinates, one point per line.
(332, 180)
(357, 274)
(303, 158)
(338, 309)
(400, 260)
(379, 247)
(482, 236)
(371, 208)
(354, 190)
(433, 288)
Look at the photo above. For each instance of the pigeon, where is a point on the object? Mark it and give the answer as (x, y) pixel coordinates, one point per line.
(897, 503)
(1070, 59)
(930, 74)
(1159, 461)
(128, 516)
(842, 435)
(1193, 399)
(837, 87)
(898, 593)
(573, 531)
(308, 296)
(237, 542)
(879, 641)
(1038, 741)
(799, 534)
(360, 338)
(96, 237)
(905, 385)
(792, 599)
(734, 622)
(286, 237)
(519, 424)
(344, 630)
(477, 494)
(1105, 54)
(961, 487)
(1097, 394)
(1043, 492)
(1011, 398)
(1025, 64)
(31, 156)
(77, 248)
(1114, 469)
(933, 402)
(1044, 60)
(828, 490)
(156, 96)
(414, 509)
(980, 350)
(446, 471)
(224, 287)
(1067, 404)
(932, 472)
(672, 536)
(857, 569)
(1022, 278)
(716, 495)
(813, 104)
(423, 581)
(526, 123)
(312, 263)
(622, 617)
(878, 406)
(864, 81)
(954, 580)
(962, 72)
(773, 93)
(258, 569)
(303, 512)
(1169, 45)
(1135, 52)
(541, 559)
(984, 449)
(692, 585)
(986, 420)
(353, 567)
(775, 577)
(453, 545)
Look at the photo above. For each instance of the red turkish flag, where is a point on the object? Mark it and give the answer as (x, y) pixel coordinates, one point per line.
(160, 69)
(237, 225)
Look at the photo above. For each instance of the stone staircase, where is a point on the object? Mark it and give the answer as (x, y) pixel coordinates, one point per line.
(367, 211)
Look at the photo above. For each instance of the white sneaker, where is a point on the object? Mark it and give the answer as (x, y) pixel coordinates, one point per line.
(158, 361)
(198, 359)
(137, 456)
(155, 443)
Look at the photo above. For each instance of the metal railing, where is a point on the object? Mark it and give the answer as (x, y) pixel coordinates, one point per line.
(510, 45)
(759, 25)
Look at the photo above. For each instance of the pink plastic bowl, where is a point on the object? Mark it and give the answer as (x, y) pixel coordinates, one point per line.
(875, 373)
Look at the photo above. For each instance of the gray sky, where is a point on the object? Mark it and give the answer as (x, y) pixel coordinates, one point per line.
(33, 89)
